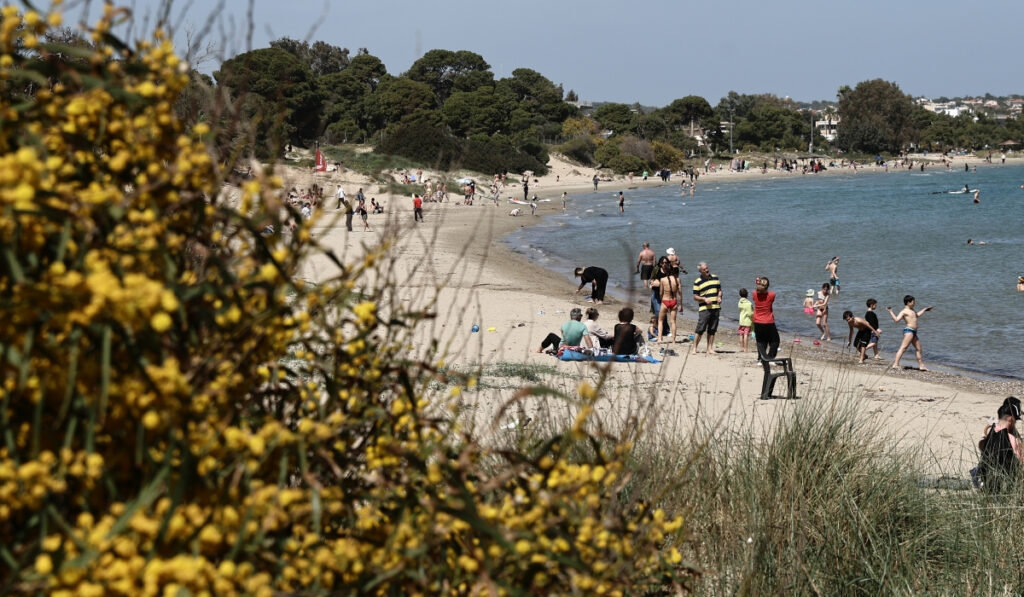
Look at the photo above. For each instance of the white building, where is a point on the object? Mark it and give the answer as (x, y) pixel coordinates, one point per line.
(828, 128)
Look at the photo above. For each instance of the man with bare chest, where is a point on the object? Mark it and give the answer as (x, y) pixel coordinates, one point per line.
(645, 265)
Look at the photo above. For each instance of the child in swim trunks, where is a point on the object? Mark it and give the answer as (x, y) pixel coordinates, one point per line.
(746, 318)
(909, 318)
(809, 302)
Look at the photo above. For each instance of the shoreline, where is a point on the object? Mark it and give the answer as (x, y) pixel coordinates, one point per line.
(457, 264)
(633, 297)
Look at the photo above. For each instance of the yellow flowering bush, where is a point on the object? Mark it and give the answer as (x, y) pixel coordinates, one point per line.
(182, 415)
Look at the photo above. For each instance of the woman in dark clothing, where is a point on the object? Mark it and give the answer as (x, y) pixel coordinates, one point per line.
(626, 333)
(1001, 452)
(598, 279)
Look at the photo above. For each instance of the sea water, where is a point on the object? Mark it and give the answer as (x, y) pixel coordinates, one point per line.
(896, 233)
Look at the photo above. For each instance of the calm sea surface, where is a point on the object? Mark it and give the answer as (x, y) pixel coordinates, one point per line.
(896, 233)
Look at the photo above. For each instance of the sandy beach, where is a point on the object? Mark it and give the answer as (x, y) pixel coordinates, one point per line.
(455, 263)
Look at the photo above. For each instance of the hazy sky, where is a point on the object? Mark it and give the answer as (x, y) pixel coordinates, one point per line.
(655, 51)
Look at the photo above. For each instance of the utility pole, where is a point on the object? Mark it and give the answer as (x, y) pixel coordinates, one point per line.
(810, 145)
(730, 132)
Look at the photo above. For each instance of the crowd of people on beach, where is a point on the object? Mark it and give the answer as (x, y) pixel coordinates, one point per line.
(663, 277)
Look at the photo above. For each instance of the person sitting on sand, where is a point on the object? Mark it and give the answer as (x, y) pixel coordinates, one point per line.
(652, 328)
(627, 336)
(515, 212)
(1001, 451)
(597, 335)
(574, 333)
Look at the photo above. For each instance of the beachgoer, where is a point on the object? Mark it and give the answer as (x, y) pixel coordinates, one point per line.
(360, 197)
(832, 267)
(563, 200)
(598, 337)
(652, 328)
(909, 316)
(707, 291)
(595, 182)
(809, 302)
(765, 333)
(349, 212)
(864, 332)
(515, 212)
(872, 318)
(622, 203)
(341, 198)
(645, 265)
(1001, 451)
(417, 208)
(598, 279)
(670, 295)
(746, 309)
(821, 312)
(627, 336)
(574, 333)
(661, 270)
(526, 189)
(673, 260)
(362, 214)
(1020, 283)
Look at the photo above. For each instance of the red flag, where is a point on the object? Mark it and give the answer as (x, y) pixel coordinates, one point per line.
(321, 163)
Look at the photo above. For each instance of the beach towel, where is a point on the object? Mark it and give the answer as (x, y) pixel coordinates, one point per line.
(567, 353)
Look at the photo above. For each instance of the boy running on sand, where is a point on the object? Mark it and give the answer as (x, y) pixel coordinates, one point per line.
(864, 332)
(909, 316)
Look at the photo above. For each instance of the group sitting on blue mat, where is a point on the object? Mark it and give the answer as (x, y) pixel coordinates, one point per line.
(588, 342)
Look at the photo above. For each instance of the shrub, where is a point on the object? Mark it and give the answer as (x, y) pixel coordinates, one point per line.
(421, 142)
(490, 154)
(580, 149)
(624, 163)
(637, 147)
(666, 156)
(606, 152)
(183, 415)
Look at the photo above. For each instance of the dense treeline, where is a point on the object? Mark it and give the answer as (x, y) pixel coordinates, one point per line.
(448, 110)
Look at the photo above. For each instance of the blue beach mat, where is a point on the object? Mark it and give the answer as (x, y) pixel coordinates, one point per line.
(575, 355)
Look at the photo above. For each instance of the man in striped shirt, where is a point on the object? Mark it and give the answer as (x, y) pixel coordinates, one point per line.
(707, 291)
